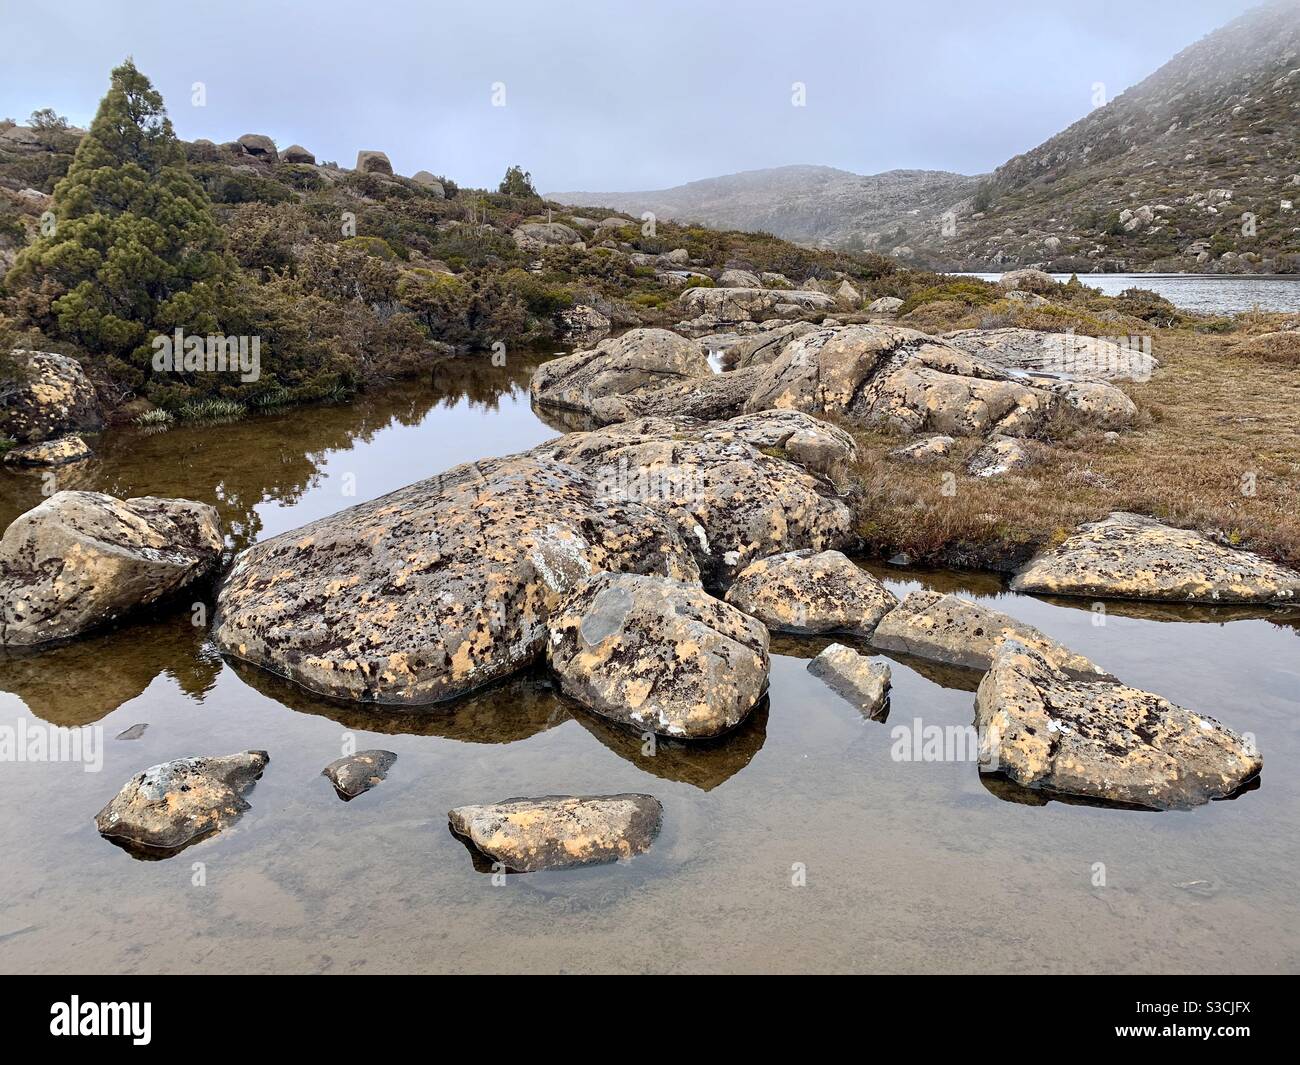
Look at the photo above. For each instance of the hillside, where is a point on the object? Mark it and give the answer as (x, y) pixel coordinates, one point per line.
(817, 205)
(1208, 137)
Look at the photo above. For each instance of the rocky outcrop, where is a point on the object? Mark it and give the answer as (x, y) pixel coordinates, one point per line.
(658, 655)
(811, 592)
(712, 398)
(437, 588)
(259, 146)
(1076, 356)
(731, 305)
(855, 677)
(173, 804)
(560, 831)
(81, 559)
(847, 296)
(60, 452)
(535, 236)
(296, 153)
(1129, 556)
(958, 632)
(740, 352)
(1027, 281)
(373, 162)
(731, 501)
(884, 305)
(641, 360)
(738, 279)
(48, 397)
(1100, 739)
(815, 445)
(358, 772)
(430, 183)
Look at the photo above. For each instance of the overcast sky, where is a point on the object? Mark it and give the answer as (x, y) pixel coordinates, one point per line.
(608, 96)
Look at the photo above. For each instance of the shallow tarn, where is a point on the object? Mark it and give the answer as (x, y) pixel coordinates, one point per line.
(906, 866)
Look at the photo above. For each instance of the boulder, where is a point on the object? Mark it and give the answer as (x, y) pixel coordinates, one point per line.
(1100, 739)
(60, 452)
(847, 296)
(1063, 354)
(810, 592)
(725, 305)
(658, 655)
(855, 677)
(1129, 556)
(924, 451)
(46, 396)
(438, 588)
(958, 632)
(373, 162)
(81, 559)
(560, 831)
(535, 236)
(175, 803)
(1027, 281)
(430, 183)
(713, 398)
(884, 305)
(999, 456)
(296, 153)
(1100, 404)
(581, 320)
(359, 772)
(678, 256)
(729, 500)
(763, 347)
(641, 360)
(259, 146)
(815, 445)
(738, 279)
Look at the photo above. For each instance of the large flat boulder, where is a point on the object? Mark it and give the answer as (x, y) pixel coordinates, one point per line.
(946, 628)
(1101, 739)
(658, 655)
(809, 592)
(726, 305)
(44, 396)
(638, 361)
(80, 560)
(176, 803)
(437, 588)
(560, 831)
(1070, 354)
(1130, 556)
(733, 502)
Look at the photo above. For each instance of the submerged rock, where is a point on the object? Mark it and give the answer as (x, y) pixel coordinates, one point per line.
(807, 592)
(658, 655)
(641, 360)
(1129, 556)
(437, 588)
(946, 628)
(134, 732)
(855, 677)
(60, 452)
(560, 831)
(1101, 739)
(49, 397)
(359, 772)
(82, 559)
(174, 803)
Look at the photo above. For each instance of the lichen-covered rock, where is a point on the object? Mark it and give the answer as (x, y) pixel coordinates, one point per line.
(583, 321)
(175, 803)
(1027, 281)
(816, 445)
(1101, 739)
(61, 452)
(1071, 354)
(641, 360)
(1130, 556)
(437, 588)
(560, 831)
(758, 349)
(946, 628)
(731, 502)
(738, 279)
(48, 396)
(924, 451)
(855, 677)
(730, 305)
(359, 772)
(1100, 403)
(884, 305)
(809, 592)
(81, 559)
(658, 655)
(714, 398)
(535, 236)
(1003, 455)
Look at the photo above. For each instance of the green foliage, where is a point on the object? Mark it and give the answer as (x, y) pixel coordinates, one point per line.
(973, 293)
(518, 182)
(45, 119)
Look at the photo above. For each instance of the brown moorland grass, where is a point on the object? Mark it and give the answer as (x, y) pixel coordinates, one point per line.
(1219, 420)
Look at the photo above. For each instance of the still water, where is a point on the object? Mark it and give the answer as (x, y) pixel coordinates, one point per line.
(906, 866)
(1203, 293)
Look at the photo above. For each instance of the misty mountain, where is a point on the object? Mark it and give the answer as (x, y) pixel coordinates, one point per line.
(808, 204)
